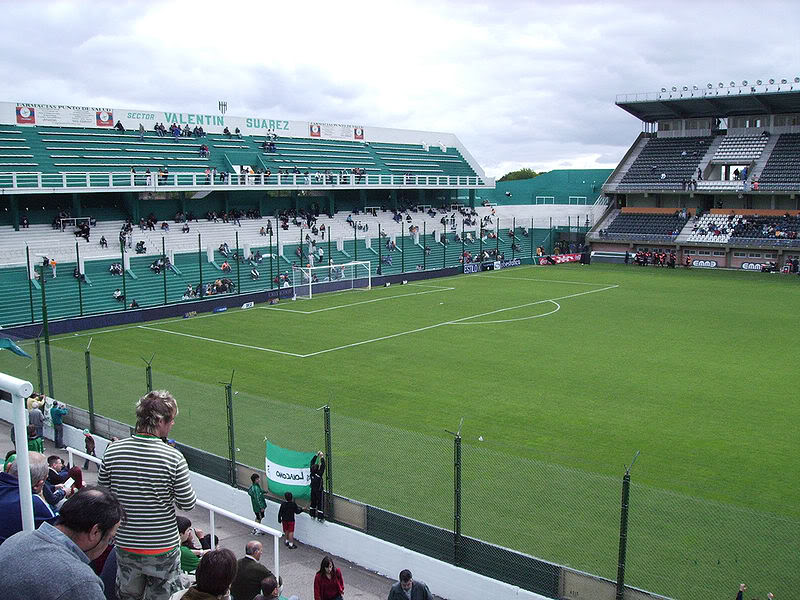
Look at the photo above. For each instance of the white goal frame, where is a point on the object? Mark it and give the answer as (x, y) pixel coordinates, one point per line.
(354, 275)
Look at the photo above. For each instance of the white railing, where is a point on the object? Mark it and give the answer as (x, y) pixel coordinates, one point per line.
(144, 182)
(19, 391)
(212, 512)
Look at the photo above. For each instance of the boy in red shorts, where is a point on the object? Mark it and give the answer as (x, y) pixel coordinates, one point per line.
(286, 514)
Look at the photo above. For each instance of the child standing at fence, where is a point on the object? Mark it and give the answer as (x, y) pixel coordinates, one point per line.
(286, 515)
(89, 444)
(258, 501)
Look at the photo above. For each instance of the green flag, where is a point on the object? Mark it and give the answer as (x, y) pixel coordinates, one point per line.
(7, 344)
(288, 471)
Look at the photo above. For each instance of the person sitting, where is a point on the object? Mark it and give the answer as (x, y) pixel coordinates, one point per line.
(226, 132)
(226, 267)
(185, 228)
(103, 242)
(224, 249)
(254, 274)
(213, 578)
(118, 295)
(134, 304)
(237, 132)
(119, 127)
(190, 555)
(140, 248)
(164, 226)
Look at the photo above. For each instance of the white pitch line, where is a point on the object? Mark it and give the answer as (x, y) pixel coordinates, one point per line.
(455, 321)
(338, 306)
(537, 279)
(498, 321)
(206, 339)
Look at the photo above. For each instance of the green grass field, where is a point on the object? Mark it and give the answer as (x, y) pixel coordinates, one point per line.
(564, 372)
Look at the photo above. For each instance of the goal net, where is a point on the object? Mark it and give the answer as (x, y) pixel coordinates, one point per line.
(307, 281)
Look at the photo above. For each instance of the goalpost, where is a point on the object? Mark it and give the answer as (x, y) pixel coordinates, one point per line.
(343, 276)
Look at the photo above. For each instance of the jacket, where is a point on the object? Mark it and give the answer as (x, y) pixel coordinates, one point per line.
(419, 591)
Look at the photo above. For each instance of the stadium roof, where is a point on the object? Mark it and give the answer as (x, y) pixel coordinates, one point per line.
(714, 102)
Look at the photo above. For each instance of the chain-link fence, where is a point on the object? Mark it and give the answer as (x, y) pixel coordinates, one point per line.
(535, 524)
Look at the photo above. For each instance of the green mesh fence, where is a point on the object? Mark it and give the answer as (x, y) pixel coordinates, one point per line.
(678, 546)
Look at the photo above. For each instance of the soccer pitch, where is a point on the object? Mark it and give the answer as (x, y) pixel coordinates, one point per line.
(564, 372)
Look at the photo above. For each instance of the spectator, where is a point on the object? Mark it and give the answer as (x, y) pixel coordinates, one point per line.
(118, 295)
(89, 445)
(250, 573)
(36, 418)
(35, 442)
(190, 556)
(150, 478)
(270, 588)
(10, 512)
(87, 524)
(408, 589)
(328, 582)
(215, 573)
(57, 413)
(316, 508)
(257, 499)
(286, 514)
(119, 127)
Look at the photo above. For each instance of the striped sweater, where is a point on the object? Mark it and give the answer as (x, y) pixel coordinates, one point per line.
(150, 478)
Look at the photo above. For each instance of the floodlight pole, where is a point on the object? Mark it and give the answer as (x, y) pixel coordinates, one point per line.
(380, 251)
(271, 258)
(623, 529)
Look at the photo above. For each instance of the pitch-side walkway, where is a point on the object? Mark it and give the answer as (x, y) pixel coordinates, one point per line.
(297, 566)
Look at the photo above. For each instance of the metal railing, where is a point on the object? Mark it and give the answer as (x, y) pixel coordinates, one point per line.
(143, 182)
(212, 512)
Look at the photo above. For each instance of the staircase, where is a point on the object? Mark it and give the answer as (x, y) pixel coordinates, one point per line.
(759, 165)
(712, 150)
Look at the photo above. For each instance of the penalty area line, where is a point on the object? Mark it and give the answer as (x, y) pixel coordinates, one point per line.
(216, 341)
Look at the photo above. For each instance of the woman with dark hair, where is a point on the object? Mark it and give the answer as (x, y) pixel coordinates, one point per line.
(215, 573)
(328, 582)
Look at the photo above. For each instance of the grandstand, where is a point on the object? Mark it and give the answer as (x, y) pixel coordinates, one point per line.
(727, 156)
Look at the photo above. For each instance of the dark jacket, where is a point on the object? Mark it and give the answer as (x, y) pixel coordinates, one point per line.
(317, 470)
(249, 573)
(419, 591)
(287, 511)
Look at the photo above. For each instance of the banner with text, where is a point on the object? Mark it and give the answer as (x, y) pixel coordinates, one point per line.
(288, 471)
(557, 259)
(334, 131)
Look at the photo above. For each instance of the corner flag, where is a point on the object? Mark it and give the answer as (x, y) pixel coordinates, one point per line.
(288, 471)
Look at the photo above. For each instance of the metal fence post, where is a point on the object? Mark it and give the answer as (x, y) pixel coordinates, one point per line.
(164, 260)
(238, 265)
(271, 258)
(124, 287)
(46, 330)
(328, 509)
(424, 252)
(231, 432)
(623, 529)
(380, 250)
(30, 284)
(200, 263)
(39, 365)
(457, 493)
(148, 373)
(402, 250)
(89, 386)
(80, 289)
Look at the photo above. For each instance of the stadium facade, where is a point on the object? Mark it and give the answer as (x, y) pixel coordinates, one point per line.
(714, 176)
(54, 149)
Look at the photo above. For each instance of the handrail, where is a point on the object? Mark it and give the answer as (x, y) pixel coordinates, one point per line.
(212, 511)
(143, 182)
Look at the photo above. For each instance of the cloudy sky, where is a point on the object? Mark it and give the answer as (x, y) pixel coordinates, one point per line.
(522, 84)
